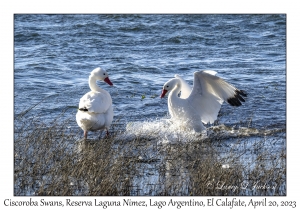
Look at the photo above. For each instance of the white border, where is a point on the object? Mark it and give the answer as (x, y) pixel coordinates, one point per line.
(8, 8)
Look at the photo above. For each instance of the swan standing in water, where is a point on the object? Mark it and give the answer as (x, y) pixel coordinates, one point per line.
(202, 103)
(95, 107)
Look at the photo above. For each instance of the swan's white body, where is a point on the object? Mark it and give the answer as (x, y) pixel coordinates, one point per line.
(202, 103)
(95, 107)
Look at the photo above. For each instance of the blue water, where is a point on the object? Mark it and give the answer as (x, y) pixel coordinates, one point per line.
(54, 55)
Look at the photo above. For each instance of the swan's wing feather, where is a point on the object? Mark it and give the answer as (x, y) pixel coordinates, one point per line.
(208, 94)
(95, 102)
(210, 72)
(207, 106)
(186, 89)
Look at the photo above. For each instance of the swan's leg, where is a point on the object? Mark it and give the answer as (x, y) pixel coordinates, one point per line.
(85, 134)
(107, 133)
(101, 131)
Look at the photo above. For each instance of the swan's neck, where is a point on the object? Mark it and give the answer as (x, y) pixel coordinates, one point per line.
(176, 90)
(173, 99)
(93, 85)
(174, 102)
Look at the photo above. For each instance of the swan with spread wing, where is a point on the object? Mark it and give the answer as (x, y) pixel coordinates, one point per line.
(202, 103)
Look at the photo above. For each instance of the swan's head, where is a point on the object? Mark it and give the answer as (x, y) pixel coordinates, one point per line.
(101, 74)
(169, 86)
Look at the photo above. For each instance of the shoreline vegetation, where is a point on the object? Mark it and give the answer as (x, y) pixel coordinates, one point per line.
(50, 159)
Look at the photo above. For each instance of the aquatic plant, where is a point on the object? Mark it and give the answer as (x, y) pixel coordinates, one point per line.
(50, 159)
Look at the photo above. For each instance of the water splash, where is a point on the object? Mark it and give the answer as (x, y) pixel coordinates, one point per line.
(169, 131)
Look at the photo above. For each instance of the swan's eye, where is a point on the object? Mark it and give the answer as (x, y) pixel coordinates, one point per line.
(103, 73)
(167, 86)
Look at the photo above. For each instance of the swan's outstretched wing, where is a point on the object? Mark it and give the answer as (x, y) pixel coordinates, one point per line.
(96, 102)
(186, 89)
(208, 94)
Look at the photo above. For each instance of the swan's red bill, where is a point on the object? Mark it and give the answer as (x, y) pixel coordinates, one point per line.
(108, 81)
(163, 93)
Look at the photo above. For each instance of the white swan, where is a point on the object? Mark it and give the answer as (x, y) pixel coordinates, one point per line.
(202, 103)
(95, 107)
